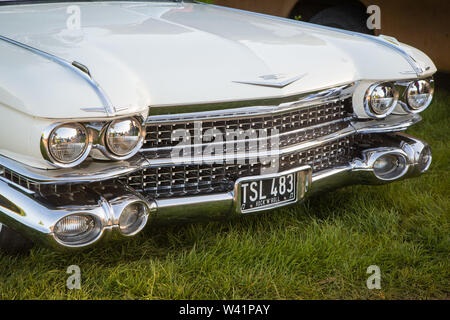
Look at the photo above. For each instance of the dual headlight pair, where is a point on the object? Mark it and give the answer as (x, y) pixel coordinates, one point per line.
(414, 96)
(69, 144)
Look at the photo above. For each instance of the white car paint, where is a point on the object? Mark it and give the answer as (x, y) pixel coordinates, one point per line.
(164, 54)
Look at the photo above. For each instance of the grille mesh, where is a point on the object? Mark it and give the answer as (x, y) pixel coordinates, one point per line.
(160, 135)
(187, 180)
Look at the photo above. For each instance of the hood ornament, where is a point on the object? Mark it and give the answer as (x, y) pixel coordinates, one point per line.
(274, 80)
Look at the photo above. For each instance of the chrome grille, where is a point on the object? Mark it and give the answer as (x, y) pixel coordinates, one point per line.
(186, 180)
(305, 124)
(19, 180)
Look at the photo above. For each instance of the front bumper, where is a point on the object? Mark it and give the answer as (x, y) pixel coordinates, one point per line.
(36, 219)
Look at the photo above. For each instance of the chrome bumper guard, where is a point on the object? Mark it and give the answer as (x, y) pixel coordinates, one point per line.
(25, 213)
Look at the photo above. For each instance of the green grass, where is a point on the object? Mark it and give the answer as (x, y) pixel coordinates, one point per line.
(317, 250)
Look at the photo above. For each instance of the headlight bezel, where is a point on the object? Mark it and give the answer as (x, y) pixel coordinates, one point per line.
(107, 149)
(368, 100)
(96, 141)
(405, 99)
(100, 131)
(81, 239)
(51, 158)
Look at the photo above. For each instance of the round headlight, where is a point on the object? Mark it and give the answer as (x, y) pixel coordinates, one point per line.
(380, 100)
(419, 95)
(123, 137)
(76, 229)
(68, 143)
(390, 166)
(133, 218)
(425, 159)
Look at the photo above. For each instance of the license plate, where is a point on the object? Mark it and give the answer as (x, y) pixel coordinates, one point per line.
(265, 193)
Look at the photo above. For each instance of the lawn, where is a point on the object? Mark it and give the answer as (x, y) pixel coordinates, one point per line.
(317, 250)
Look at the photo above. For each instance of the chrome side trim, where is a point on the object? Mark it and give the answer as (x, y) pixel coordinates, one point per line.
(74, 67)
(417, 69)
(15, 185)
(211, 207)
(390, 124)
(88, 171)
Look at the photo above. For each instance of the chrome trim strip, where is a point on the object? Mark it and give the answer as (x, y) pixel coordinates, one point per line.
(417, 69)
(88, 171)
(197, 208)
(230, 109)
(391, 124)
(107, 105)
(12, 183)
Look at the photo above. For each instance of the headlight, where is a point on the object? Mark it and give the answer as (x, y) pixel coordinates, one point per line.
(77, 229)
(68, 143)
(425, 159)
(419, 95)
(124, 137)
(390, 166)
(133, 218)
(380, 100)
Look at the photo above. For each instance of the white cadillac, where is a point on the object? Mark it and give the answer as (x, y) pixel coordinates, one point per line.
(120, 114)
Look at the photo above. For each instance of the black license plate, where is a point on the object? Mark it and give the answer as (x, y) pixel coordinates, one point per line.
(268, 193)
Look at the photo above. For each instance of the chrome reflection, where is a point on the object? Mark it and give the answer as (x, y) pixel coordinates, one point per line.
(124, 136)
(387, 164)
(416, 95)
(68, 143)
(380, 100)
(118, 140)
(60, 139)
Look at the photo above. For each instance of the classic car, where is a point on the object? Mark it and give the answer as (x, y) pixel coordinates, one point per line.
(117, 115)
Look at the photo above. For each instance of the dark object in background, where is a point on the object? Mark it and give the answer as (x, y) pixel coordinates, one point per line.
(348, 17)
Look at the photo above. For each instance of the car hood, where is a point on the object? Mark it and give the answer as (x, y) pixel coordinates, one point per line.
(165, 54)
